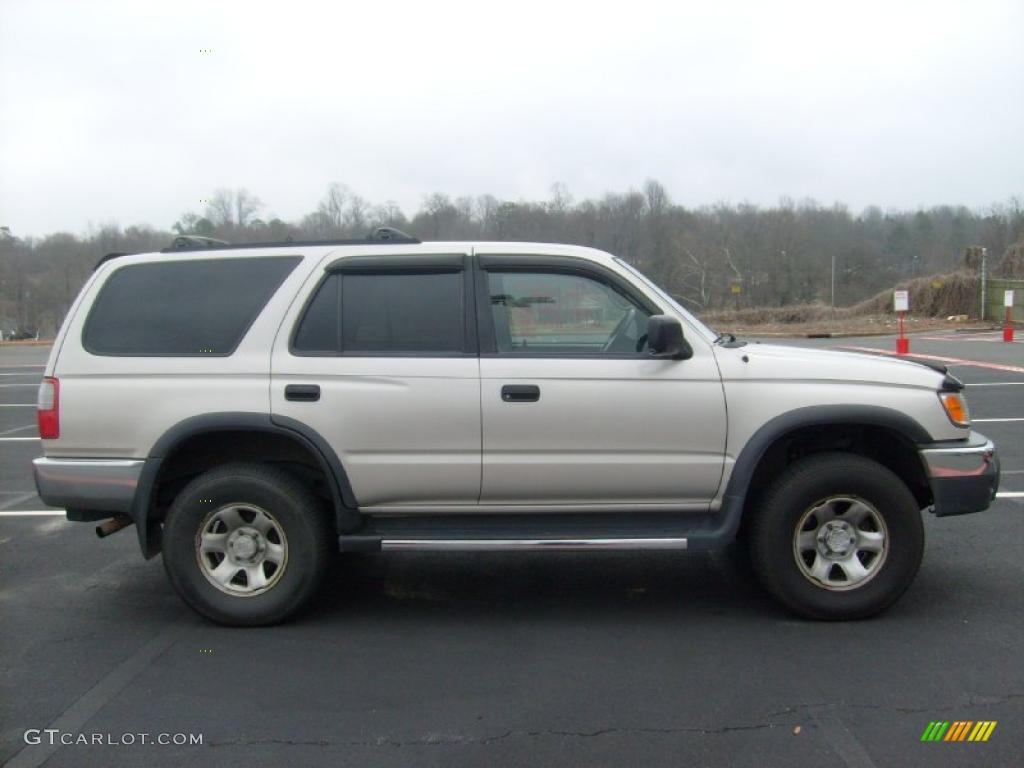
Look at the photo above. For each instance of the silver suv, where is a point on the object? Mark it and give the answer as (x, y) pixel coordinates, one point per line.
(253, 409)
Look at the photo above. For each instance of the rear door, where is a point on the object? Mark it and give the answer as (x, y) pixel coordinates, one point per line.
(379, 355)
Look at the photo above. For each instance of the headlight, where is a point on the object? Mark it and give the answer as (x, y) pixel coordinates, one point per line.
(956, 408)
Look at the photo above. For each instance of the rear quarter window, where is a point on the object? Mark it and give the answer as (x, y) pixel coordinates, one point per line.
(195, 307)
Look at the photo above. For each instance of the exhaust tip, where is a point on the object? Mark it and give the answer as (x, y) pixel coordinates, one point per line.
(113, 525)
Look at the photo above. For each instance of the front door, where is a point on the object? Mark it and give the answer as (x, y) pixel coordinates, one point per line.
(576, 414)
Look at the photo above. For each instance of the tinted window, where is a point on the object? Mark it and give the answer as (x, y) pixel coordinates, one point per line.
(563, 314)
(182, 307)
(320, 330)
(385, 312)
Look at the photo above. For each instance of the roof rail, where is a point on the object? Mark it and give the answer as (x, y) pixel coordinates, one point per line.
(107, 258)
(379, 236)
(196, 241)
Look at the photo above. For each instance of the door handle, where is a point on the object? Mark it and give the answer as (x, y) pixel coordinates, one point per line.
(520, 393)
(302, 393)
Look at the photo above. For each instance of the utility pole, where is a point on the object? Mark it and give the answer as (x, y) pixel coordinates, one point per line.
(833, 282)
(984, 282)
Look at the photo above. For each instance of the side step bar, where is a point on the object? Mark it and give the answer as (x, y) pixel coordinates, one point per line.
(374, 543)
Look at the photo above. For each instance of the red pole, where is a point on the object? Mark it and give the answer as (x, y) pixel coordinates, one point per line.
(1008, 325)
(902, 342)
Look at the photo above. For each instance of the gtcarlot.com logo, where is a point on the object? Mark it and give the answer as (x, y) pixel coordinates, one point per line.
(53, 737)
(959, 730)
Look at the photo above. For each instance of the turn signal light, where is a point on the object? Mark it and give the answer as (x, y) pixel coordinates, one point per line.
(956, 408)
(48, 413)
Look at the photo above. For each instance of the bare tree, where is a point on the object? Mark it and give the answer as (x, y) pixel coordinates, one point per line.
(246, 205)
(220, 209)
(333, 205)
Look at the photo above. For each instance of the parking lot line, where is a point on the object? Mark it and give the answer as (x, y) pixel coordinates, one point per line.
(19, 374)
(17, 405)
(72, 719)
(14, 439)
(17, 429)
(941, 359)
(996, 384)
(13, 386)
(979, 421)
(33, 513)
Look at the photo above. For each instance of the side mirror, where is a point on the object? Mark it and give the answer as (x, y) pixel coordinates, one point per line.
(665, 338)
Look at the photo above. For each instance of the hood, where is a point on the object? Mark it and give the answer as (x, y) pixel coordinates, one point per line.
(777, 361)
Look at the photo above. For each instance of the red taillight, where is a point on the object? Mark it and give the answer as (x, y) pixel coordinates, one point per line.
(49, 409)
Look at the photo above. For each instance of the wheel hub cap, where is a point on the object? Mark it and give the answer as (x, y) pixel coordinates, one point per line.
(246, 545)
(836, 538)
(840, 543)
(242, 549)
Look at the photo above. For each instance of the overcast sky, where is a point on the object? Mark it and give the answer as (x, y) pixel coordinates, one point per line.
(110, 112)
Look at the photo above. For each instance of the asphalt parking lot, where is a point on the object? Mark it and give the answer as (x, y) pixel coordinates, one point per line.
(614, 659)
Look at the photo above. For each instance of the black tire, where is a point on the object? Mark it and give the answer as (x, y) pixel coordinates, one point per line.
(801, 488)
(308, 543)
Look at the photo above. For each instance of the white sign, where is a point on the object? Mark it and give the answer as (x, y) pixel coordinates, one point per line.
(1007, 298)
(901, 301)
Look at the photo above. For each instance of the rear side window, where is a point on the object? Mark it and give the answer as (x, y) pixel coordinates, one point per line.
(201, 307)
(385, 312)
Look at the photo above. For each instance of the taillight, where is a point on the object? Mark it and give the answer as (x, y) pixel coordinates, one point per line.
(49, 409)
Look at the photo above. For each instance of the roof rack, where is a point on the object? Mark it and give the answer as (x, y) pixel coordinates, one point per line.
(107, 258)
(379, 236)
(195, 241)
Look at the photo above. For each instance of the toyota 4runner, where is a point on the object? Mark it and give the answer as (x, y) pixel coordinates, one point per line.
(252, 409)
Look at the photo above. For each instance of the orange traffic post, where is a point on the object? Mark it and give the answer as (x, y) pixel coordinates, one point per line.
(901, 303)
(902, 342)
(1008, 323)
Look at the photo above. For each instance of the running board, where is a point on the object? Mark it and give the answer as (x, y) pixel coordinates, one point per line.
(522, 532)
(489, 545)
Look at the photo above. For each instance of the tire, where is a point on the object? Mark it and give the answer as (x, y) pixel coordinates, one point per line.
(820, 516)
(246, 544)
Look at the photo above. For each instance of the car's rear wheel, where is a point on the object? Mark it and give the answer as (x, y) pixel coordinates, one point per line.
(246, 544)
(837, 536)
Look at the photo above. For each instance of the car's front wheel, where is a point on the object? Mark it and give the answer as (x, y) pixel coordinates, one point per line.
(837, 536)
(246, 544)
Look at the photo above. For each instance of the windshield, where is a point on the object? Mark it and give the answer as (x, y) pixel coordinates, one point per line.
(702, 329)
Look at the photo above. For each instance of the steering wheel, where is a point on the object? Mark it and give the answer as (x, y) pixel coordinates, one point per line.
(620, 327)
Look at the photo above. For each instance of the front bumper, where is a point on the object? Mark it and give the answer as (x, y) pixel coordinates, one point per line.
(90, 489)
(964, 476)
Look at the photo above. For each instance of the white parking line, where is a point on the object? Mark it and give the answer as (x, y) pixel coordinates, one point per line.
(12, 386)
(1010, 495)
(979, 421)
(997, 384)
(12, 367)
(19, 374)
(27, 496)
(18, 429)
(18, 439)
(17, 405)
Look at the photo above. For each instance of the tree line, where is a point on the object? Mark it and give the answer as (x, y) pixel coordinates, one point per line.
(714, 257)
